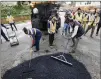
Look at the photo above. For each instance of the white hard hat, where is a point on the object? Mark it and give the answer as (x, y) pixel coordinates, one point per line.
(35, 11)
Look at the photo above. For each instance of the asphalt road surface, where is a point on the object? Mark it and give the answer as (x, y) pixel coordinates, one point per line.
(88, 51)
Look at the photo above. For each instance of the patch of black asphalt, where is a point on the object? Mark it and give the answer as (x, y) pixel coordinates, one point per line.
(45, 67)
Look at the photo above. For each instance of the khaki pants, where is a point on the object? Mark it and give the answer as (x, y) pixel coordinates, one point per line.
(84, 24)
(92, 31)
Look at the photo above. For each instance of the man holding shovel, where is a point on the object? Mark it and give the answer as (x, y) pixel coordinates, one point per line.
(77, 32)
(35, 35)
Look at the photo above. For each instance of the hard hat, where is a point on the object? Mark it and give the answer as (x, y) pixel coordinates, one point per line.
(68, 14)
(35, 11)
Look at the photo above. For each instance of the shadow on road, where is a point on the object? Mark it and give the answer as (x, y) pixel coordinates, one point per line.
(44, 67)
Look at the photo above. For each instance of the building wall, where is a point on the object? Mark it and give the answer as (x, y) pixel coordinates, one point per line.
(87, 4)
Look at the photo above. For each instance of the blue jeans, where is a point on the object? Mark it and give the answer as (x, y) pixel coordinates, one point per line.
(65, 29)
(37, 41)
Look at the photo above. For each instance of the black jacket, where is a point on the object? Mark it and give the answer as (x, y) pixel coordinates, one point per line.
(100, 16)
(80, 31)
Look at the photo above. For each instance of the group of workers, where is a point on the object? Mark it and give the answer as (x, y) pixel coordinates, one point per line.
(76, 24)
(89, 20)
(84, 22)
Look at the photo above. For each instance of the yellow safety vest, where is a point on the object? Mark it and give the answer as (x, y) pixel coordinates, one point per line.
(95, 22)
(52, 27)
(78, 18)
(10, 19)
(85, 18)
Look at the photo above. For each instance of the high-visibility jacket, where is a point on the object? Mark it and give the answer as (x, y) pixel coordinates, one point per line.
(34, 32)
(96, 21)
(79, 18)
(85, 17)
(93, 19)
(10, 19)
(52, 26)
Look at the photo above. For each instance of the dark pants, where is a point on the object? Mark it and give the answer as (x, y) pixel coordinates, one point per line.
(75, 41)
(98, 28)
(3, 34)
(12, 24)
(57, 27)
(90, 27)
(51, 39)
(37, 41)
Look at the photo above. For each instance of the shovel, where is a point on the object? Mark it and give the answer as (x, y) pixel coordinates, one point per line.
(31, 51)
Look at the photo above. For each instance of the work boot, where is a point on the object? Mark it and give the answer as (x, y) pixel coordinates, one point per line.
(96, 34)
(7, 40)
(36, 50)
(51, 45)
(80, 37)
(91, 36)
(72, 51)
(16, 29)
(72, 45)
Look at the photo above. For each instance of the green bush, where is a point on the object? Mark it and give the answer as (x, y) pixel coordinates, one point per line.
(15, 10)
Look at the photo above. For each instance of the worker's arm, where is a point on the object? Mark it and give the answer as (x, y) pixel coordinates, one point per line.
(74, 17)
(49, 25)
(33, 40)
(88, 18)
(97, 20)
(70, 28)
(75, 31)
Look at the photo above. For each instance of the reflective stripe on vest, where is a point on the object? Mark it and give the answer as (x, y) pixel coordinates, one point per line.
(32, 31)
